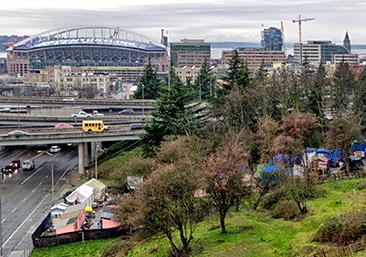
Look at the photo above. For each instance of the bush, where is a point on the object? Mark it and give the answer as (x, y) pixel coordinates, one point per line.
(286, 209)
(344, 229)
(118, 247)
(271, 200)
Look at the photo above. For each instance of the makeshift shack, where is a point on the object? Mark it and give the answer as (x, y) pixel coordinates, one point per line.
(82, 194)
(99, 188)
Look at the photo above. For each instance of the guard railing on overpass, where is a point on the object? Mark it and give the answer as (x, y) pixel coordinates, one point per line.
(76, 101)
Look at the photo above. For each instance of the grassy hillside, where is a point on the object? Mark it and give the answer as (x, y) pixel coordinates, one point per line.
(264, 236)
(85, 249)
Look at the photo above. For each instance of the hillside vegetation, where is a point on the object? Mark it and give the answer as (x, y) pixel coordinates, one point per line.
(263, 235)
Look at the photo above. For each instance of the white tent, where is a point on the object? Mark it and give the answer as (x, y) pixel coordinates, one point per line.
(99, 188)
(82, 194)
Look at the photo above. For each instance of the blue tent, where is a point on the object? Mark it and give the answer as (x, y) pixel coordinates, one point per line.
(310, 150)
(336, 156)
(322, 151)
(269, 175)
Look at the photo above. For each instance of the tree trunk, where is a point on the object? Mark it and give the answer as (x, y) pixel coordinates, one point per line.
(184, 240)
(222, 223)
(264, 191)
(175, 251)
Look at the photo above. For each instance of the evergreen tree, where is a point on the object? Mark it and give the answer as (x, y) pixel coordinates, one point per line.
(359, 100)
(170, 118)
(262, 72)
(205, 82)
(343, 87)
(316, 93)
(238, 73)
(149, 85)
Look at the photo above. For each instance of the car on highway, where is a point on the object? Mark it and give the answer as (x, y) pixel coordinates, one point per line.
(126, 111)
(134, 126)
(8, 169)
(66, 100)
(15, 164)
(55, 149)
(28, 165)
(6, 109)
(81, 114)
(97, 114)
(18, 133)
(63, 126)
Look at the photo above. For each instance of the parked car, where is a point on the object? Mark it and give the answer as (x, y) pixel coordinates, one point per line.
(63, 126)
(8, 169)
(28, 165)
(55, 149)
(15, 164)
(96, 114)
(126, 111)
(18, 133)
(81, 114)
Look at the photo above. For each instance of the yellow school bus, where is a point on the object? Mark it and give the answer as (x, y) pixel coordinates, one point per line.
(94, 126)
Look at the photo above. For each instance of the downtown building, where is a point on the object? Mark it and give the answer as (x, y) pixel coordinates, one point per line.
(271, 39)
(255, 57)
(322, 52)
(190, 53)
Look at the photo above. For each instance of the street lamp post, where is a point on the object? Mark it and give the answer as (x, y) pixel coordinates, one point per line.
(1, 231)
(96, 159)
(143, 103)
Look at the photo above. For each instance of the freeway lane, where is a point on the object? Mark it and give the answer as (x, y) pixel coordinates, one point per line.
(26, 194)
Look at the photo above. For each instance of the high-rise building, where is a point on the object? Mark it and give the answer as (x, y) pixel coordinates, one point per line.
(164, 38)
(272, 39)
(190, 52)
(347, 42)
(316, 52)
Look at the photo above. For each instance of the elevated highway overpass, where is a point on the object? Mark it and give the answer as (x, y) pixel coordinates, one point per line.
(86, 141)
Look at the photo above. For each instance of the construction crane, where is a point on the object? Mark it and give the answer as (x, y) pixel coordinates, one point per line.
(300, 20)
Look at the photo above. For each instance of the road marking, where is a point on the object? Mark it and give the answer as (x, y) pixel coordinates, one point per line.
(34, 190)
(44, 199)
(25, 199)
(46, 177)
(39, 168)
(63, 174)
(3, 220)
(16, 208)
(40, 183)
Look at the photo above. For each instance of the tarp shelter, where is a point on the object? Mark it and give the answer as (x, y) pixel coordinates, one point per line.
(99, 188)
(82, 194)
(268, 174)
(359, 149)
(335, 157)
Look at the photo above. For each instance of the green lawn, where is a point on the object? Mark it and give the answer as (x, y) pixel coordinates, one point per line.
(267, 236)
(85, 249)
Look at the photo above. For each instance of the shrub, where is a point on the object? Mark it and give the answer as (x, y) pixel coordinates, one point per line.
(270, 200)
(118, 247)
(286, 209)
(344, 229)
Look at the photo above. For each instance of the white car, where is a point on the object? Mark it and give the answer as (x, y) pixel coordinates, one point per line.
(97, 114)
(55, 149)
(72, 99)
(81, 114)
(18, 133)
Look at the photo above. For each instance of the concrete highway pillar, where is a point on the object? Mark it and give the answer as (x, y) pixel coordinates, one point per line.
(2, 147)
(86, 155)
(81, 158)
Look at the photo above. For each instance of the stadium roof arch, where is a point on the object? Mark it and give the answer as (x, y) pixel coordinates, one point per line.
(88, 36)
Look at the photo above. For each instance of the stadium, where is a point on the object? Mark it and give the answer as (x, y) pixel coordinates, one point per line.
(85, 46)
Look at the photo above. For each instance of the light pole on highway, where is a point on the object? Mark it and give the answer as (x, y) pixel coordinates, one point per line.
(143, 103)
(1, 231)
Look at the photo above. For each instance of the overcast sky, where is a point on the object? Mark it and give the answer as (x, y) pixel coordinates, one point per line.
(213, 20)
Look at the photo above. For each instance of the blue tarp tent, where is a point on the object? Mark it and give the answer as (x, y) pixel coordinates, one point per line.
(322, 151)
(335, 156)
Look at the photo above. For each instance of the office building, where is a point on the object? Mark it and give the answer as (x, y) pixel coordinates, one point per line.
(190, 52)
(272, 39)
(254, 57)
(316, 52)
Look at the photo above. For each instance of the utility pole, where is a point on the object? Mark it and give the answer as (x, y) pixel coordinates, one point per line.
(18, 117)
(143, 103)
(300, 20)
(53, 180)
(96, 159)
